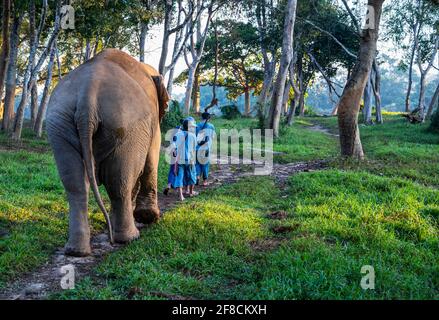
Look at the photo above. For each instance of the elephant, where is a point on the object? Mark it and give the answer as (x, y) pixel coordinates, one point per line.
(103, 125)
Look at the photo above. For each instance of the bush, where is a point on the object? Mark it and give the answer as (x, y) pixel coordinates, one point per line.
(173, 117)
(434, 126)
(230, 112)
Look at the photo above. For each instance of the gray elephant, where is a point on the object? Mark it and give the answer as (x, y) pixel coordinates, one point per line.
(103, 123)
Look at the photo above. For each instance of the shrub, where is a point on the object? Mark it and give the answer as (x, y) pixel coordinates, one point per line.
(172, 117)
(230, 111)
(434, 126)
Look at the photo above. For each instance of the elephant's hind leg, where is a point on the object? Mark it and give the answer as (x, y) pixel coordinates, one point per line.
(147, 209)
(73, 176)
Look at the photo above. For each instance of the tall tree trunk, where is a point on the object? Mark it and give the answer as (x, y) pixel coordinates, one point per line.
(292, 111)
(142, 40)
(4, 56)
(287, 55)
(349, 104)
(165, 41)
(286, 97)
(377, 92)
(11, 76)
(269, 70)
(34, 104)
(38, 127)
(367, 98)
(189, 86)
(196, 92)
(303, 90)
(412, 59)
(87, 54)
(247, 105)
(31, 73)
(421, 101)
(433, 102)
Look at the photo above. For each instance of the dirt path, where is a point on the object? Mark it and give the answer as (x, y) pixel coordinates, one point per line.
(319, 128)
(46, 279)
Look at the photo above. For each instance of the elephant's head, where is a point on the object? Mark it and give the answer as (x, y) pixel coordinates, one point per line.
(162, 95)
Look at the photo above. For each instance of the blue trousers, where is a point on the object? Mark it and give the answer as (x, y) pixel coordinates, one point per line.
(203, 170)
(186, 175)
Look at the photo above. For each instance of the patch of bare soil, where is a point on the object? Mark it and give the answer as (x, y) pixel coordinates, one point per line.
(278, 215)
(20, 146)
(267, 244)
(47, 279)
(284, 229)
(319, 128)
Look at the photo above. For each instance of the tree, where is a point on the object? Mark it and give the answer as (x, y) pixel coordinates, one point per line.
(349, 104)
(11, 73)
(5, 44)
(239, 64)
(287, 55)
(416, 18)
(31, 71)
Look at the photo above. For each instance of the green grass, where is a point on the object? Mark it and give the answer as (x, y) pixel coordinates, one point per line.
(396, 149)
(294, 143)
(34, 209)
(208, 248)
(382, 212)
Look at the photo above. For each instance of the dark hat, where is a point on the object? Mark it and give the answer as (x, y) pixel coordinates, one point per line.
(205, 115)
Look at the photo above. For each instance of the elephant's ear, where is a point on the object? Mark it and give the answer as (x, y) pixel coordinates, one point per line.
(162, 95)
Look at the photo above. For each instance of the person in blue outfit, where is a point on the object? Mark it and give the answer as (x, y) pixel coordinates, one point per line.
(186, 157)
(173, 167)
(205, 134)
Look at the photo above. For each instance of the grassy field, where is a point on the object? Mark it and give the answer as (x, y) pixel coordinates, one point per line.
(382, 212)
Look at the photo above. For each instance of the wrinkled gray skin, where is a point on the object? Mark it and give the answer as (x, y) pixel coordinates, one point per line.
(103, 125)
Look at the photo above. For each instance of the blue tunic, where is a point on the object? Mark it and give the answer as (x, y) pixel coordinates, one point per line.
(205, 132)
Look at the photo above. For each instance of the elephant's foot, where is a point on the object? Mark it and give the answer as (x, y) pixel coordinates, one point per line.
(147, 215)
(77, 248)
(126, 236)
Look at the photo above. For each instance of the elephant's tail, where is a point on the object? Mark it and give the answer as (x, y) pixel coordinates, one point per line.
(85, 137)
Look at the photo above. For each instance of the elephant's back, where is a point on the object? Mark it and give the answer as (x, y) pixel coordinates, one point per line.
(112, 82)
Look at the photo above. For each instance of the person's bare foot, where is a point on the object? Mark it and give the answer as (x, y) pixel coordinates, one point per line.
(182, 198)
(205, 183)
(193, 194)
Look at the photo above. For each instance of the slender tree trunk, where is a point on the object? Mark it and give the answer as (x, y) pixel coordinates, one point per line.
(142, 40)
(269, 67)
(31, 73)
(247, 105)
(367, 98)
(34, 104)
(377, 92)
(196, 92)
(4, 56)
(189, 86)
(287, 55)
(303, 90)
(11, 76)
(38, 127)
(87, 54)
(421, 101)
(349, 104)
(165, 41)
(433, 102)
(292, 111)
(410, 76)
(286, 97)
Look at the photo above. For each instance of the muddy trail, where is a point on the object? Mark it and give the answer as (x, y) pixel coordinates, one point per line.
(43, 281)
